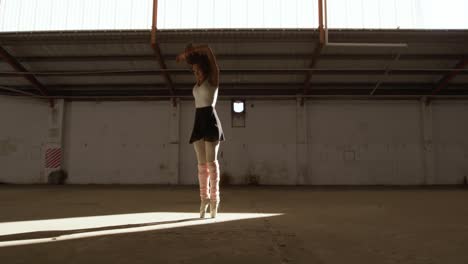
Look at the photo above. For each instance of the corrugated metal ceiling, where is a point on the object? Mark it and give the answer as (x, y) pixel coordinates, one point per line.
(263, 62)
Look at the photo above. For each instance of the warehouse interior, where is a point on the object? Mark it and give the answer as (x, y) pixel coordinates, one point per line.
(343, 145)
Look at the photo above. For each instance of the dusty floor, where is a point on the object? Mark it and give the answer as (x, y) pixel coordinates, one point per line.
(314, 225)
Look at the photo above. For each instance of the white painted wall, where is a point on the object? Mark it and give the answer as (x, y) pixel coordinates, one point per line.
(450, 128)
(23, 133)
(365, 142)
(266, 147)
(326, 143)
(118, 142)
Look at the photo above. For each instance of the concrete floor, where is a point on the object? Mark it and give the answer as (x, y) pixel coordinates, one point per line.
(314, 225)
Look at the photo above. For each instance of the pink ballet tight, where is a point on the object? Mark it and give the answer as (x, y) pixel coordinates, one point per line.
(203, 178)
(213, 171)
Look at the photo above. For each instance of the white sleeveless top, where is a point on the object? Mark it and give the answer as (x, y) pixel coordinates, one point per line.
(205, 94)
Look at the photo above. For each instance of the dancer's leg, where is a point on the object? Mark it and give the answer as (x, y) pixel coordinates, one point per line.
(203, 176)
(199, 147)
(211, 149)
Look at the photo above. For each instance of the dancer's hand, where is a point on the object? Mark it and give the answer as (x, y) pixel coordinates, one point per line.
(181, 57)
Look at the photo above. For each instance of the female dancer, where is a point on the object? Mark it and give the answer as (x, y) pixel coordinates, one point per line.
(207, 131)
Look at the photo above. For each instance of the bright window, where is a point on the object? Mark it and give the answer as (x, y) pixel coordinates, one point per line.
(238, 106)
(47, 15)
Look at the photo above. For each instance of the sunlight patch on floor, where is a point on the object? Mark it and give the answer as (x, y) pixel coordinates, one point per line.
(113, 224)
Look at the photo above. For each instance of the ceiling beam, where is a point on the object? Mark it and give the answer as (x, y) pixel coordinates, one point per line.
(387, 71)
(253, 91)
(19, 68)
(221, 57)
(455, 38)
(16, 91)
(315, 57)
(450, 76)
(157, 49)
(245, 71)
(240, 86)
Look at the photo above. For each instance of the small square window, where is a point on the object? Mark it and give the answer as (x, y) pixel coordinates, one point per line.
(238, 113)
(238, 106)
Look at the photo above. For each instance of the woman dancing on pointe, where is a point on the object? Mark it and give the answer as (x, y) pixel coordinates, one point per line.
(207, 132)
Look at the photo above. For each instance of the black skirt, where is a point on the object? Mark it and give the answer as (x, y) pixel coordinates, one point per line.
(207, 125)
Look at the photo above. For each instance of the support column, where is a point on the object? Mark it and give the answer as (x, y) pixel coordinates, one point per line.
(428, 144)
(301, 142)
(174, 141)
(53, 148)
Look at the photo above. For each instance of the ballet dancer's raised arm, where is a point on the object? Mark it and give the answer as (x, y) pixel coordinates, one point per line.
(203, 49)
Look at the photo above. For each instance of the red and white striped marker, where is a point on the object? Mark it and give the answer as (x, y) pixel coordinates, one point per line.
(53, 158)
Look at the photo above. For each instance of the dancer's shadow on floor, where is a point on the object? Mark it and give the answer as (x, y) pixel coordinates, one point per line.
(56, 233)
